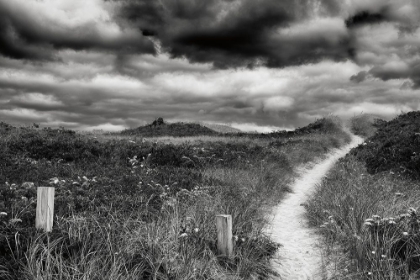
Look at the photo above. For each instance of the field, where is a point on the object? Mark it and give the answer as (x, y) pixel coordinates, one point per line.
(130, 207)
(366, 209)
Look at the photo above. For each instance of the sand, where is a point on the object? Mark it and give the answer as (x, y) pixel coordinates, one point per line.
(299, 256)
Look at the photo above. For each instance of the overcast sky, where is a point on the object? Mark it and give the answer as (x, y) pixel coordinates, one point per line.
(95, 64)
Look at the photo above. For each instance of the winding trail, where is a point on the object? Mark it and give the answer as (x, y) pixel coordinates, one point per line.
(299, 257)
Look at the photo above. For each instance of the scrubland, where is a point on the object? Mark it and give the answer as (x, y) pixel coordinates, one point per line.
(367, 207)
(130, 207)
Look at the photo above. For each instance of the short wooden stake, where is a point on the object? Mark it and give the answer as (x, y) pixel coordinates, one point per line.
(45, 208)
(224, 235)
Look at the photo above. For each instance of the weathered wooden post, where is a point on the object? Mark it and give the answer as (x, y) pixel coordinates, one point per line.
(45, 208)
(224, 235)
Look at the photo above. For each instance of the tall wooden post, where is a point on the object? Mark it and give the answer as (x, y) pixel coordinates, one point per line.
(224, 235)
(45, 208)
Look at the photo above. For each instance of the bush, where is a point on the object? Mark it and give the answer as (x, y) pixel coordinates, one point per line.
(395, 147)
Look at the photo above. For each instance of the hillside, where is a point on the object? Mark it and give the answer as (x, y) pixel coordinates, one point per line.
(153, 203)
(221, 128)
(395, 147)
(160, 128)
(367, 207)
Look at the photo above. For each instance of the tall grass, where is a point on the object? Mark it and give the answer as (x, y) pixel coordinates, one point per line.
(368, 216)
(366, 223)
(133, 209)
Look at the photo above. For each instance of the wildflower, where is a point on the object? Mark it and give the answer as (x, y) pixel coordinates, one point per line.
(196, 230)
(183, 235)
(243, 239)
(3, 214)
(383, 256)
(405, 233)
(373, 252)
(235, 238)
(28, 185)
(24, 198)
(369, 273)
(54, 181)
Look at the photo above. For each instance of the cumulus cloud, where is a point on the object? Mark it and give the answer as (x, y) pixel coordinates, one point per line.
(263, 63)
(34, 29)
(359, 77)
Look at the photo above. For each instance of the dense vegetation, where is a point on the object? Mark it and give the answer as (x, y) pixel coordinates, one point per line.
(365, 125)
(367, 206)
(159, 128)
(132, 208)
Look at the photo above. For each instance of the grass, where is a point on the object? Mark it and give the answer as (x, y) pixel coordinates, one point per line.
(368, 216)
(130, 207)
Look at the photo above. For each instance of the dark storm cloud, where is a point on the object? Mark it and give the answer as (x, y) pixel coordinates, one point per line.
(359, 77)
(233, 33)
(364, 18)
(410, 71)
(25, 35)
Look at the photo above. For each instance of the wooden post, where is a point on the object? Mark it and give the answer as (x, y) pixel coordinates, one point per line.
(224, 235)
(45, 208)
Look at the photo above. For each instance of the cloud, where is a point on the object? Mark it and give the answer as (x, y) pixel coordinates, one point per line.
(359, 77)
(264, 62)
(233, 33)
(34, 29)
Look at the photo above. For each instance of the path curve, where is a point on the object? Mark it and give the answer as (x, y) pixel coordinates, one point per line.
(299, 257)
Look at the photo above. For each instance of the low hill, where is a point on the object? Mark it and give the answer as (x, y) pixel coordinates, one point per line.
(221, 128)
(394, 147)
(160, 128)
(365, 125)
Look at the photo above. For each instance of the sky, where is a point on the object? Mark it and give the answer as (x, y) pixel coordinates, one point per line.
(255, 64)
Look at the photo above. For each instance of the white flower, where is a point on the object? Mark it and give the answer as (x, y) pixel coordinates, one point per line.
(183, 235)
(3, 214)
(405, 233)
(373, 252)
(196, 230)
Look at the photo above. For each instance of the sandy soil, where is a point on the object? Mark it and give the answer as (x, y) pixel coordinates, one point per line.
(299, 257)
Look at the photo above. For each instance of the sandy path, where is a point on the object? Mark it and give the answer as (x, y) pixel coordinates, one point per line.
(299, 257)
